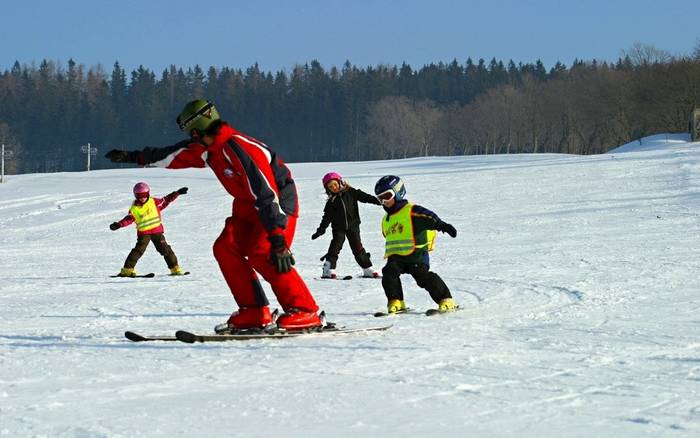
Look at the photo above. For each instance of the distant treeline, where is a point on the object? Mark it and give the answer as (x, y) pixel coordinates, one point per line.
(350, 113)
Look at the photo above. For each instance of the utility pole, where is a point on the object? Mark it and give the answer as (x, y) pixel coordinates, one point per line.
(3, 153)
(87, 149)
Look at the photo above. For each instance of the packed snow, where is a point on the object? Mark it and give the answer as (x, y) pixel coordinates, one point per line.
(578, 276)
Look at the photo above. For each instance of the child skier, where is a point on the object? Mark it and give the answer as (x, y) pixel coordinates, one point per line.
(342, 213)
(145, 211)
(410, 232)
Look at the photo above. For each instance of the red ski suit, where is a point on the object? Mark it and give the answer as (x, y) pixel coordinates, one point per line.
(265, 203)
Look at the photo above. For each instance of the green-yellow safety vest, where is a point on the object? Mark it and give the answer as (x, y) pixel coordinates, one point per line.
(147, 216)
(398, 231)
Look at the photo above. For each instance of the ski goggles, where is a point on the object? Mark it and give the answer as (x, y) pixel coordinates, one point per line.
(386, 196)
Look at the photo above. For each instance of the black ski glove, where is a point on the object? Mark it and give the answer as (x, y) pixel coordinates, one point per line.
(444, 227)
(318, 234)
(119, 156)
(182, 190)
(114, 226)
(280, 255)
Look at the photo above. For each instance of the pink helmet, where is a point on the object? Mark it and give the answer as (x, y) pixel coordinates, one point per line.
(331, 176)
(141, 187)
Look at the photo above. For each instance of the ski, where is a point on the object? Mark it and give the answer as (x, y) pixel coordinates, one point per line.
(429, 312)
(149, 275)
(433, 312)
(382, 314)
(191, 338)
(135, 337)
(346, 277)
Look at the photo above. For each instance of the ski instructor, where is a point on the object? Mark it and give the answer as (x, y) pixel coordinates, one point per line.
(258, 234)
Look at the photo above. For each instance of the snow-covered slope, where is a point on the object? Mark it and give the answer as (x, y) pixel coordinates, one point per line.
(578, 276)
(657, 142)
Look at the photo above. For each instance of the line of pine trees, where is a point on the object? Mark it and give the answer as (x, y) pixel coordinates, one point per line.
(314, 114)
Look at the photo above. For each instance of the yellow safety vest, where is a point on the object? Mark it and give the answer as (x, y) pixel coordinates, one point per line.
(398, 231)
(147, 216)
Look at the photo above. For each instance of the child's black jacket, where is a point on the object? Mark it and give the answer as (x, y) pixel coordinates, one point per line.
(341, 210)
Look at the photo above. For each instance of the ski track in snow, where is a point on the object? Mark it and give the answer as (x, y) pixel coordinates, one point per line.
(576, 276)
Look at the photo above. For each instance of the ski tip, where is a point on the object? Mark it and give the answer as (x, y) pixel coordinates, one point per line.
(362, 329)
(187, 337)
(135, 337)
(347, 277)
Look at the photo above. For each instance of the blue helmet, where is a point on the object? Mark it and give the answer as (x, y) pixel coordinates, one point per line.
(393, 183)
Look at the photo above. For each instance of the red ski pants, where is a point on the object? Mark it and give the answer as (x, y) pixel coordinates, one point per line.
(242, 249)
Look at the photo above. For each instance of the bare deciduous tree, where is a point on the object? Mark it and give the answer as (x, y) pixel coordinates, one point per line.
(646, 54)
(400, 128)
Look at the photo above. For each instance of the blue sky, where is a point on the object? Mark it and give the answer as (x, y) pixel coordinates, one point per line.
(279, 34)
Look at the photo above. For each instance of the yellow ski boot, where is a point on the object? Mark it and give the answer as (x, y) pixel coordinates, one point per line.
(127, 272)
(176, 270)
(447, 305)
(444, 306)
(396, 306)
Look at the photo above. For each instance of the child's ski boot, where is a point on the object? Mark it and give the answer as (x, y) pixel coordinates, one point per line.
(447, 305)
(127, 272)
(327, 272)
(370, 273)
(444, 306)
(396, 306)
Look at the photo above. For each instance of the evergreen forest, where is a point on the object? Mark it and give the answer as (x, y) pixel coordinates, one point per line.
(316, 113)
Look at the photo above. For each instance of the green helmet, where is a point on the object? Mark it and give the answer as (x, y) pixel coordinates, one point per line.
(198, 114)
